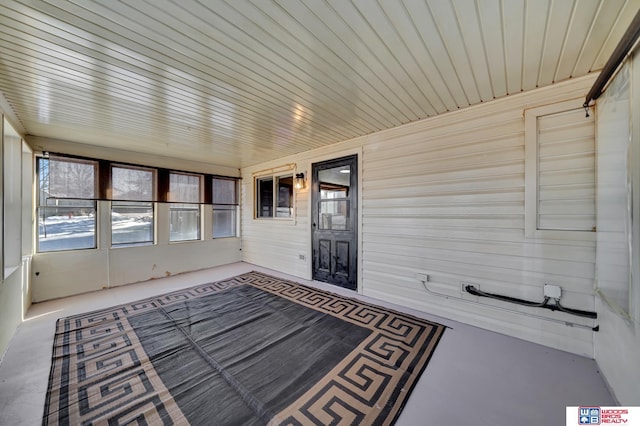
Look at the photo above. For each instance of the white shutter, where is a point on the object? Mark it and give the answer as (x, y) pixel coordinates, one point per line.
(566, 171)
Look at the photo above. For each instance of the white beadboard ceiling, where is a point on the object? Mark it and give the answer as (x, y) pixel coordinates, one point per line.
(240, 82)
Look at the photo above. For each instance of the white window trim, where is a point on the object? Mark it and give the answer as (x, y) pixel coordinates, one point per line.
(12, 213)
(634, 176)
(236, 211)
(98, 221)
(172, 201)
(275, 175)
(154, 190)
(531, 230)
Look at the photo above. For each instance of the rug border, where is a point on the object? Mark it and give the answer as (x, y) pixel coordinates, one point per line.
(47, 397)
(404, 400)
(436, 340)
(370, 304)
(150, 298)
(418, 376)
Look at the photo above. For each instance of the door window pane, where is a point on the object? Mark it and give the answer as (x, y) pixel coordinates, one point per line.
(334, 187)
(335, 182)
(334, 215)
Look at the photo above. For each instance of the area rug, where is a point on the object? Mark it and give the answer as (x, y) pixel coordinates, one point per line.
(252, 349)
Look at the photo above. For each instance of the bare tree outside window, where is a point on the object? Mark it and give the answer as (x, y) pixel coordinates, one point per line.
(66, 204)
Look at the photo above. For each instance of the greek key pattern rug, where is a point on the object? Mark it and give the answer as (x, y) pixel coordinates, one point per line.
(252, 349)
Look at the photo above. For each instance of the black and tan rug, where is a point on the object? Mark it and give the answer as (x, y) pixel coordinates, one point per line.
(253, 349)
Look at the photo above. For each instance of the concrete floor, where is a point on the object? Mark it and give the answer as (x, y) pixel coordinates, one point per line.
(475, 377)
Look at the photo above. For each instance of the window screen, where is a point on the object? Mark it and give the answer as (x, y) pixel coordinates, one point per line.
(184, 188)
(132, 222)
(132, 183)
(184, 217)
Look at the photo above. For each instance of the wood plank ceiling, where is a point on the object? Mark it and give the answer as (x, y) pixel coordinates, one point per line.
(239, 82)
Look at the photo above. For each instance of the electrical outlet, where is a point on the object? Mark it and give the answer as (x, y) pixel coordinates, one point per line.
(552, 291)
(464, 284)
(301, 256)
(423, 278)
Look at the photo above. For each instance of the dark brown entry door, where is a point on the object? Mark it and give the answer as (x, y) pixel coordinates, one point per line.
(334, 221)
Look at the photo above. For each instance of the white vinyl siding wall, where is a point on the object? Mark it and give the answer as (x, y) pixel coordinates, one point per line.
(286, 239)
(445, 197)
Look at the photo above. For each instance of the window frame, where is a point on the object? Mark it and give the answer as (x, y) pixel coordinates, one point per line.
(161, 201)
(11, 201)
(154, 181)
(233, 207)
(174, 203)
(531, 160)
(124, 201)
(38, 206)
(275, 179)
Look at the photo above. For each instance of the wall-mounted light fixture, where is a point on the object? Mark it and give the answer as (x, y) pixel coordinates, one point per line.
(299, 180)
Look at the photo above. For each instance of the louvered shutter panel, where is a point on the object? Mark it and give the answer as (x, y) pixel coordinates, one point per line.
(566, 171)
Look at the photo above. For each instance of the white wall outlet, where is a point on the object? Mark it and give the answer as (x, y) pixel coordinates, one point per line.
(552, 291)
(464, 284)
(423, 278)
(301, 256)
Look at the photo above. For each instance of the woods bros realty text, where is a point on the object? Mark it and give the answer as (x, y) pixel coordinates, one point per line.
(594, 415)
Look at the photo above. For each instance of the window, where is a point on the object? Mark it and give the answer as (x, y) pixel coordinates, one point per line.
(559, 171)
(66, 203)
(132, 219)
(225, 207)
(184, 217)
(274, 191)
(264, 191)
(12, 205)
(618, 282)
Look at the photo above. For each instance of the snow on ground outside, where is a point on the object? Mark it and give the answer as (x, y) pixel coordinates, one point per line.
(78, 232)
